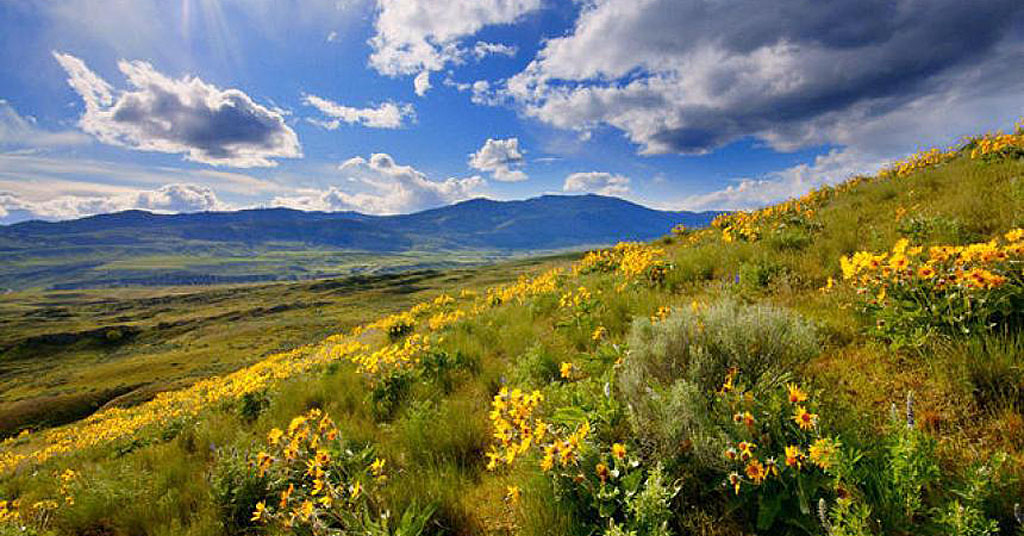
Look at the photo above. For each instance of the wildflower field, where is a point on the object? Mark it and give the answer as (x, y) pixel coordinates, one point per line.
(847, 363)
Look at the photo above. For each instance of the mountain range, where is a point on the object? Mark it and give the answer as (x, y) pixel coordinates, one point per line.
(495, 228)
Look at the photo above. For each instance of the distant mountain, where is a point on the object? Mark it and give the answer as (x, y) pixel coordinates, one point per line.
(542, 223)
(137, 247)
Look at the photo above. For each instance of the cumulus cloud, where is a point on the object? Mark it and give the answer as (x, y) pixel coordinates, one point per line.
(421, 84)
(186, 116)
(687, 76)
(417, 36)
(20, 131)
(750, 193)
(392, 189)
(172, 198)
(500, 158)
(599, 182)
(387, 115)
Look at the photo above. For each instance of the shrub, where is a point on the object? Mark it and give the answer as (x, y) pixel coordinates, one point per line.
(535, 368)
(675, 366)
(440, 368)
(389, 392)
(702, 346)
(236, 490)
(252, 405)
(789, 239)
(759, 274)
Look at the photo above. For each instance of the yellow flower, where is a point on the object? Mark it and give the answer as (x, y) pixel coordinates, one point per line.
(296, 423)
(548, 461)
(357, 488)
(274, 435)
(755, 471)
(735, 480)
(263, 461)
(619, 450)
(746, 449)
(512, 495)
(599, 333)
(377, 468)
(794, 458)
(822, 453)
(662, 314)
(602, 472)
(795, 394)
(566, 369)
(285, 495)
(1014, 235)
(804, 419)
(306, 510)
(926, 272)
(259, 512)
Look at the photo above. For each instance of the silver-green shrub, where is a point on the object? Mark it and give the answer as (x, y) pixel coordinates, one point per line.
(674, 366)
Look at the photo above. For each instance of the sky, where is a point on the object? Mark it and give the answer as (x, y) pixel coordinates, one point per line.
(394, 106)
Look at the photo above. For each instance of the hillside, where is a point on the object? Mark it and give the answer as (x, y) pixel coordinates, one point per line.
(847, 363)
(141, 248)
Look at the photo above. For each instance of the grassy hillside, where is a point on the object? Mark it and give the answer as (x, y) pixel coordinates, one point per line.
(847, 363)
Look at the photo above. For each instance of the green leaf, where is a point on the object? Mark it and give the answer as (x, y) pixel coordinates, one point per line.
(801, 495)
(768, 510)
(569, 416)
(631, 482)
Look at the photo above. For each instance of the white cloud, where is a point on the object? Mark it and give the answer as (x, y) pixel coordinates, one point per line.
(687, 76)
(187, 116)
(19, 131)
(387, 115)
(500, 158)
(392, 189)
(168, 198)
(482, 49)
(35, 176)
(421, 84)
(749, 193)
(414, 36)
(599, 182)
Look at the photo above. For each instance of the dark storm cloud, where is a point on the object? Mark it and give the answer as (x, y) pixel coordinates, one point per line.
(687, 76)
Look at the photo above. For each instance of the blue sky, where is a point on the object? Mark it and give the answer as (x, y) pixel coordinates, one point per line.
(399, 105)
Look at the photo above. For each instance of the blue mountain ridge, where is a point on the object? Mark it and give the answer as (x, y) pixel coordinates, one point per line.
(542, 223)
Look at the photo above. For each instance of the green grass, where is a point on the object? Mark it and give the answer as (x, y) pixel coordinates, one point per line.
(967, 389)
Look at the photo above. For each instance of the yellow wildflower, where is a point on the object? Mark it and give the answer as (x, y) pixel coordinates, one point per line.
(804, 419)
(795, 394)
(259, 512)
(755, 471)
(512, 495)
